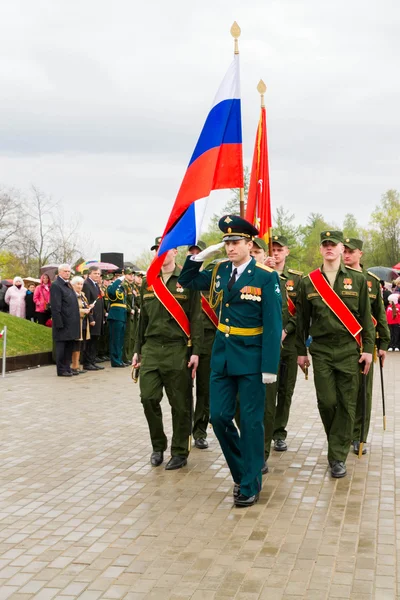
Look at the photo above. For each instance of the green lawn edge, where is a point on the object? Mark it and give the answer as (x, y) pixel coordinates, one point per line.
(24, 337)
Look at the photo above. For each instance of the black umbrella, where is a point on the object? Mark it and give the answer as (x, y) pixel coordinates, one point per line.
(385, 273)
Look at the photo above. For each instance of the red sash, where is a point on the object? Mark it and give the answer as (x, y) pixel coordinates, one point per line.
(211, 314)
(336, 304)
(291, 306)
(171, 304)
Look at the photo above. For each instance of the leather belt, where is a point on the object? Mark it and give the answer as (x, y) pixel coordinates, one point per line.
(246, 331)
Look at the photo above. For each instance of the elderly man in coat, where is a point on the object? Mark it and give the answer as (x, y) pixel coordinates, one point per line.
(66, 319)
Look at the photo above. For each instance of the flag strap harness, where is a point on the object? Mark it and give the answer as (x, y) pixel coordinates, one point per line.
(210, 312)
(291, 307)
(336, 304)
(171, 304)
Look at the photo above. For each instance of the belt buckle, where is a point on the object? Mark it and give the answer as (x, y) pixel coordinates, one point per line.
(227, 328)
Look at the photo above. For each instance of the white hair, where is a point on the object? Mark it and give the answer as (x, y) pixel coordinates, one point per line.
(77, 279)
(64, 266)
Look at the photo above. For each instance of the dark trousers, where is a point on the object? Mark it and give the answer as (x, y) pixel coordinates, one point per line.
(245, 453)
(90, 351)
(117, 333)
(394, 336)
(64, 356)
(43, 317)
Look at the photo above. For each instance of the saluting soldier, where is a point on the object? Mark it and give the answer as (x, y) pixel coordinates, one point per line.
(288, 366)
(209, 321)
(167, 351)
(156, 244)
(352, 258)
(245, 353)
(130, 315)
(334, 308)
(117, 319)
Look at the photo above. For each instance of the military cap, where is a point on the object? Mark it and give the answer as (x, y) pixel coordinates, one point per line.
(85, 272)
(353, 243)
(200, 245)
(128, 271)
(280, 239)
(157, 243)
(117, 271)
(260, 243)
(108, 276)
(236, 228)
(336, 237)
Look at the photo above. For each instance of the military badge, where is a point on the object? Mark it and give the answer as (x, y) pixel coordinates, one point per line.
(369, 284)
(248, 292)
(347, 283)
(179, 288)
(150, 288)
(290, 285)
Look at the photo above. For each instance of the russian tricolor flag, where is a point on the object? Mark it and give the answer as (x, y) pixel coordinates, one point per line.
(216, 163)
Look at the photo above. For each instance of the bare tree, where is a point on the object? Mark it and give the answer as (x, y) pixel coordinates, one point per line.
(65, 237)
(10, 217)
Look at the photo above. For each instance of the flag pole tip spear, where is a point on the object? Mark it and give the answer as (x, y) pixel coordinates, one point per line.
(262, 88)
(235, 33)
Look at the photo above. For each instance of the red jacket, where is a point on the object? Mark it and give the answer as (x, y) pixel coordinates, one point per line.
(389, 313)
(41, 296)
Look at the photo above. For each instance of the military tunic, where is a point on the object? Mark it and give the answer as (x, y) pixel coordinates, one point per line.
(116, 321)
(335, 353)
(129, 330)
(164, 351)
(288, 366)
(383, 340)
(246, 345)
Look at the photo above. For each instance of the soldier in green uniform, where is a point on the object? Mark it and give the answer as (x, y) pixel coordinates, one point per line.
(104, 339)
(168, 360)
(260, 253)
(245, 353)
(156, 244)
(202, 409)
(333, 307)
(352, 258)
(130, 316)
(137, 284)
(288, 366)
(117, 319)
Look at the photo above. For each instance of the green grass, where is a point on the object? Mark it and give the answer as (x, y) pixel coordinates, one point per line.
(24, 337)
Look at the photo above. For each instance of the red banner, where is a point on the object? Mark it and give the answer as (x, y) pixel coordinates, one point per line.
(291, 307)
(258, 210)
(336, 304)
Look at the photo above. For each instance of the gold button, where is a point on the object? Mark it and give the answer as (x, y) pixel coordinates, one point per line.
(226, 305)
(227, 335)
(226, 320)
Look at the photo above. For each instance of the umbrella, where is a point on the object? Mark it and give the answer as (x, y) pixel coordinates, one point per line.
(7, 282)
(397, 267)
(104, 266)
(385, 273)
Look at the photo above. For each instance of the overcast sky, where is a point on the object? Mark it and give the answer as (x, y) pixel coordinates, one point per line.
(102, 103)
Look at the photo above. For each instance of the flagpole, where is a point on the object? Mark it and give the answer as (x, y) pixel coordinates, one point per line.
(235, 32)
(262, 88)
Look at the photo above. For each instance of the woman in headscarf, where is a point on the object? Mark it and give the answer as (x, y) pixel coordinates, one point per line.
(41, 299)
(15, 298)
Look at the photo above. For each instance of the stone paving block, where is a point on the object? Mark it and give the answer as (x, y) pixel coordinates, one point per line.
(83, 515)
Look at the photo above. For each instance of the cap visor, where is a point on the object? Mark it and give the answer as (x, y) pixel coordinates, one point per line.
(233, 238)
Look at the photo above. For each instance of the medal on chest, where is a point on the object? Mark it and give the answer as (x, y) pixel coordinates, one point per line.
(347, 283)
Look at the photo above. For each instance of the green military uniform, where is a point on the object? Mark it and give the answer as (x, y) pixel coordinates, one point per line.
(288, 367)
(246, 346)
(165, 352)
(104, 339)
(136, 308)
(130, 316)
(117, 321)
(202, 410)
(335, 353)
(382, 337)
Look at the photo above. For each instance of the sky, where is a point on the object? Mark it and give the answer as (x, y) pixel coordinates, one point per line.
(102, 103)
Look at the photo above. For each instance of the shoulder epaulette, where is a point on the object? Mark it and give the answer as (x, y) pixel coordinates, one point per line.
(261, 266)
(373, 275)
(295, 272)
(356, 270)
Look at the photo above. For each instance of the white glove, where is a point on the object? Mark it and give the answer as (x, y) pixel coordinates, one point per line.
(207, 252)
(268, 378)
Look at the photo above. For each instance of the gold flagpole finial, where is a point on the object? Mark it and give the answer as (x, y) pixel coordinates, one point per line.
(235, 33)
(262, 88)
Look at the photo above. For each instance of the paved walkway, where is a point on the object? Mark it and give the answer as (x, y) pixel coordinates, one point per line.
(83, 515)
